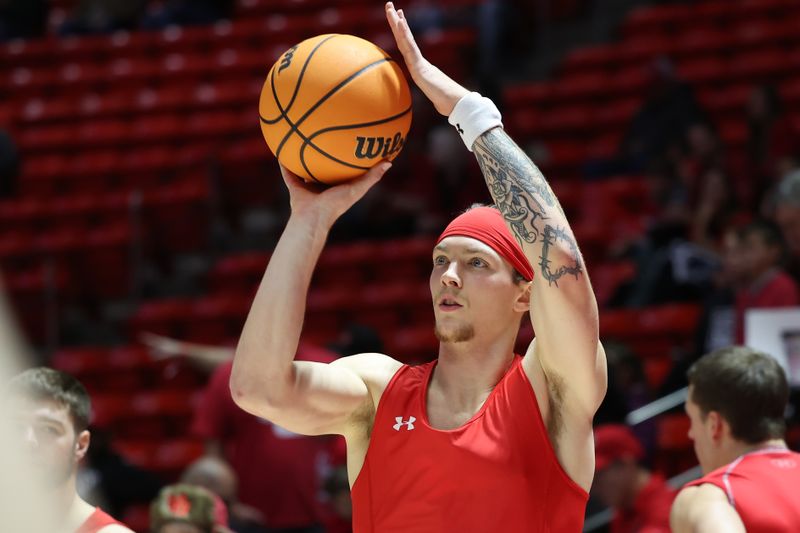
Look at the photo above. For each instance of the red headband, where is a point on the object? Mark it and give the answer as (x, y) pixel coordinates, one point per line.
(486, 224)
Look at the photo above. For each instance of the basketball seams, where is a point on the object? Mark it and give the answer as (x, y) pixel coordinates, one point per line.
(308, 140)
(297, 83)
(294, 127)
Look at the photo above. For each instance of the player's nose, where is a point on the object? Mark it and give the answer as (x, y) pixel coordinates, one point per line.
(450, 277)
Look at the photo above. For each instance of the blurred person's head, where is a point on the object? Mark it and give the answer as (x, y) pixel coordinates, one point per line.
(787, 211)
(50, 411)
(763, 248)
(618, 472)
(626, 366)
(764, 103)
(734, 270)
(701, 140)
(214, 474)
(337, 489)
(184, 508)
(736, 402)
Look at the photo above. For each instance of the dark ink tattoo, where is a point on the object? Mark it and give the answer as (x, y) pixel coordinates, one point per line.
(521, 193)
(549, 238)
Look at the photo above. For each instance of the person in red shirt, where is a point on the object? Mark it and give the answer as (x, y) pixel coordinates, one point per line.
(481, 439)
(736, 404)
(640, 498)
(765, 282)
(279, 471)
(51, 410)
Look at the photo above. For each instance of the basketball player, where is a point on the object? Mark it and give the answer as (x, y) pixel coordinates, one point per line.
(51, 411)
(481, 439)
(736, 404)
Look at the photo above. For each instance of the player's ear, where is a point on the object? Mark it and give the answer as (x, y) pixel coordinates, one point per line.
(717, 425)
(82, 444)
(523, 300)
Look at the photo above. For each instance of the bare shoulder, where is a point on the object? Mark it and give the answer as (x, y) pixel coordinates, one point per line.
(704, 508)
(115, 528)
(375, 369)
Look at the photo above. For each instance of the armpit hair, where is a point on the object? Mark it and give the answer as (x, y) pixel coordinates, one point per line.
(555, 390)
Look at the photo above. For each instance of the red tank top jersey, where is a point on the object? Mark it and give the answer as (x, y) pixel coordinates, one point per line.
(97, 521)
(497, 472)
(764, 488)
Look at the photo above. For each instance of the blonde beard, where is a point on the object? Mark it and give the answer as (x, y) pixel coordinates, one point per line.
(462, 333)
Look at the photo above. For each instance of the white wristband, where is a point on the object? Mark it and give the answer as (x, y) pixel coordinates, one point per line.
(472, 116)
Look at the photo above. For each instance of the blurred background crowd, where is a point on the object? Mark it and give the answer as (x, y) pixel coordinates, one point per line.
(139, 205)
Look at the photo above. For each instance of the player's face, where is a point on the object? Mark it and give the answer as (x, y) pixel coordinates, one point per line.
(700, 432)
(48, 437)
(613, 485)
(472, 287)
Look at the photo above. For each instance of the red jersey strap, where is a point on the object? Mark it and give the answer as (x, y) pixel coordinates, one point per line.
(97, 521)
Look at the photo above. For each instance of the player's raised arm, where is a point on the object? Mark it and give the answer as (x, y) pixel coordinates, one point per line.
(304, 397)
(563, 306)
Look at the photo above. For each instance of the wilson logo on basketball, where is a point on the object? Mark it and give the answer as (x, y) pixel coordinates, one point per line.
(372, 147)
(287, 59)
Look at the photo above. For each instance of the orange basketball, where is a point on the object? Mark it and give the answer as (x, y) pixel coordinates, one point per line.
(333, 106)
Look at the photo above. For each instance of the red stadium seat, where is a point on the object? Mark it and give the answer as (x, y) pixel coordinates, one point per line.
(238, 274)
(596, 57)
(406, 259)
(165, 317)
(704, 70)
(759, 65)
(216, 319)
(106, 255)
(343, 265)
(703, 41)
(414, 344)
(177, 217)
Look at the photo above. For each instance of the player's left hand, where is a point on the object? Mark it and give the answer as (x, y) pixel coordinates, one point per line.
(440, 88)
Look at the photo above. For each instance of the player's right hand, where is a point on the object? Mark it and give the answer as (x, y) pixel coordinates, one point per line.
(443, 92)
(330, 202)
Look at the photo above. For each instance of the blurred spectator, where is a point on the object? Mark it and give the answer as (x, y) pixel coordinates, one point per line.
(666, 114)
(641, 499)
(771, 143)
(280, 473)
(103, 16)
(9, 166)
(357, 338)
(700, 153)
(337, 489)
(217, 476)
(188, 509)
(22, 19)
(717, 326)
(50, 409)
(765, 283)
(203, 357)
(424, 16)
(188, 13)
(627, 390)
(787, 215)
(712, 210)
(98, 479)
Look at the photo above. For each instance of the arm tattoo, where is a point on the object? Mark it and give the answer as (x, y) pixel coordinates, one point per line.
(527, 202)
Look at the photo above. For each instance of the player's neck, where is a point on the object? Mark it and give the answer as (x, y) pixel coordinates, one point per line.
(737, 448)
(766, 445)
(466, 370)
(71, 507)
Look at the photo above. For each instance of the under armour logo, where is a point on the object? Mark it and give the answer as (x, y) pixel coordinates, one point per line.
(458, 128)
(400, 423)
